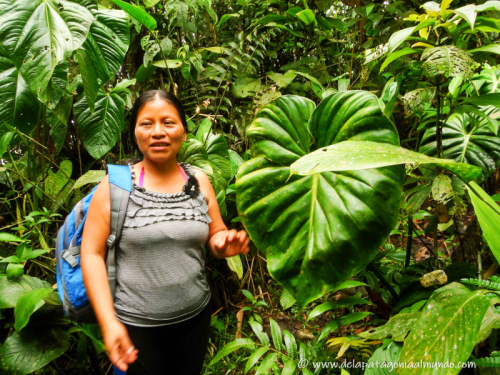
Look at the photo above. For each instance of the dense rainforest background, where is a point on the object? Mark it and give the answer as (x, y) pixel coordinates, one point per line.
(356, 141)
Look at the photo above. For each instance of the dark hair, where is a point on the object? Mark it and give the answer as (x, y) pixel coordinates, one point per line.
(149, 96)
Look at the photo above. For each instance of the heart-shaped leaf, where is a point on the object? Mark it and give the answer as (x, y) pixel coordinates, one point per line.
(29, 350)
(100, 130)
(19, 107)
(318, 230)
(27, 305)
(102, 53)
(38, 34)
(12, 290)
(467, 138)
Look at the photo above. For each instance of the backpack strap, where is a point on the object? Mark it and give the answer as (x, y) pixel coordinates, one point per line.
(120, 186)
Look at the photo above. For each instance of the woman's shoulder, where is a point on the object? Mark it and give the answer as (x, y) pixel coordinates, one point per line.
(196, 172)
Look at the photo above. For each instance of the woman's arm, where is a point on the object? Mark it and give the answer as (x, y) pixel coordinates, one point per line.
(95, 277)
(222, 242)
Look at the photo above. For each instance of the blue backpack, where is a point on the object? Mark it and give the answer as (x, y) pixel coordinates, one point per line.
(70, 286)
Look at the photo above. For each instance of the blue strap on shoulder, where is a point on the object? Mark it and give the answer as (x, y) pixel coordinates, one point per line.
(119, 175)
(120, 186)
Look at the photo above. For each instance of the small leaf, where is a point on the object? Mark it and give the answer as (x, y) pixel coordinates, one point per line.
(353, 317)
(320, 309)
(4, 142)
(348, 284)
(254, 358)
(235, 265)
(91, 177)
(8, 237)
(204, 129)
(396, 55)
(231, 347)
(172, 64)
(276, 333)
(139, 14)
(307, 16)
(328, 328)
(492, 48)
(286, 299)
(290, 344)
(468, 13)
(248, 295)
(262, 336)
(14, 271)
(267, 363)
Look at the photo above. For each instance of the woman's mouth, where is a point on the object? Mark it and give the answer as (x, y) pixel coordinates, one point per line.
(159, 146)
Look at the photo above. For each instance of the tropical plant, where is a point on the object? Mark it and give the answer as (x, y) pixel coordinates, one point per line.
(296, 220)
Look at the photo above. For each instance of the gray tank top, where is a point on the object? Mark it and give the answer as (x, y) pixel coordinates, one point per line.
(160, 269)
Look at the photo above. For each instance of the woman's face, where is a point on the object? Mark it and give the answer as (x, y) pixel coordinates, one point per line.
(158, 131)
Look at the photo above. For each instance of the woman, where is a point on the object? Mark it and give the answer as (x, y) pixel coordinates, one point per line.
(159, 320)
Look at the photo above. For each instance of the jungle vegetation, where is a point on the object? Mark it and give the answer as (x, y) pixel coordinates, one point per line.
(356, 141)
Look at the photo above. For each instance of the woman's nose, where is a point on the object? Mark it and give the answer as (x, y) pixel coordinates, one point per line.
(158, 130)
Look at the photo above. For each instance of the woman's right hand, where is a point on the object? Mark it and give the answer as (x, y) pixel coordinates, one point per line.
(120, 348)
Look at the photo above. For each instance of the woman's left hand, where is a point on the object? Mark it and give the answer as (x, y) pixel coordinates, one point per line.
(228, 243)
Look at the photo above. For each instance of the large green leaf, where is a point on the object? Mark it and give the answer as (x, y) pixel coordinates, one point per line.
(491, 80)
(29, 350)
(58, 118)
(447, 330)
(102, 54)
(467, 138)
(359, 155)
(55, 182)
(488, 215)
(193, 153)
(448, 60)
(12, 290)
(389, 356)
(19, 107)
(218, 156)
(396, 328)
(27, 305)
(101, 130)
(38, 34)
(306, 224)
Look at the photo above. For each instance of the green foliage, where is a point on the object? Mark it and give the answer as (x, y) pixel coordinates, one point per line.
(493, 283)
(279, 136)
(70, 71)
(492, 361)
(29, 350)
(454, 337)
(360, 155)
(488, 215)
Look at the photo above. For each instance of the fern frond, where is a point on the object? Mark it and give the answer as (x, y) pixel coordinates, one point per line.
(231, 347)
(276, 334)
(492, 361)
(487, 284)
(290, 344)
(495, 279)
(257, 329)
